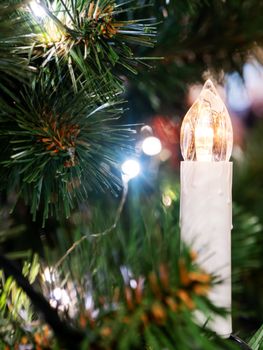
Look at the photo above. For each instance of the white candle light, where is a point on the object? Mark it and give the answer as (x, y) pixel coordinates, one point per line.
(206, 184)
(204, 136)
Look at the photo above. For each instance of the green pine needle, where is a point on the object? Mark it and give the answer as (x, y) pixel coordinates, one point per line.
(89, 39)
(61, 146)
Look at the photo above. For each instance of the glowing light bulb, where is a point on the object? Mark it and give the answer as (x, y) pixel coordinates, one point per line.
(168, 197)
(167, 200)
(57, 293)
(130, 168)
(206, 132)
(204, 136)
(48, 275)
(133, 284)
(151, 146)
(37, 9)
(59, 298)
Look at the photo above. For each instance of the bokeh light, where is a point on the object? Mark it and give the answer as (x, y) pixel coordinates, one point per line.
(131, 168)
(151, 146)
(37, 9)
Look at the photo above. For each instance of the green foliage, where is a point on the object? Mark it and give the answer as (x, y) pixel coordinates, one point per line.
(59, 139)
(150, 240)
(130, 301)
(247, 233)
(247, 241)
(256, 342)
(14, 69)
(88, 40)
(99, 273)
(62, 148)
(248, 184)
(15, 306)
(211, 36)
(248, 267)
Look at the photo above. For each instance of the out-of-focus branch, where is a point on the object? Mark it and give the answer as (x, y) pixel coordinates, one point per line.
(64, 332)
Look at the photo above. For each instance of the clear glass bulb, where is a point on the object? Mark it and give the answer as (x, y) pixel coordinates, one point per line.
(206, 131)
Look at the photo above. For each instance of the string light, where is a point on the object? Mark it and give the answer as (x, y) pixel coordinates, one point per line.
(151, 146)
(133, 284)
(167, 200)
(168, 197)
(130, 168)
(59, 298)
(128, 277)
(48, 275)
(37, 9)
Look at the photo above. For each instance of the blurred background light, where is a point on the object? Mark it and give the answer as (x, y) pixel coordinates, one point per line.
(48, 275)
(37, 9)
(151, 146)
(130, 168)
(167, 200)
(59, 298)
(237, 96)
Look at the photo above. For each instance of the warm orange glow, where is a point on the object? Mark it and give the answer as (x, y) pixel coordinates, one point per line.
(206, 132)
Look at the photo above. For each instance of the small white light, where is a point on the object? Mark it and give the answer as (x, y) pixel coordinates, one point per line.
(53, 303)
(151, 146)
(167, 200)
(133, 284)
(65, 298)
(130, 168)
(89, 303)
(57, 293)
(37, 9)
(168, 197)
(59, 297)
(126, 274)
(48, 275)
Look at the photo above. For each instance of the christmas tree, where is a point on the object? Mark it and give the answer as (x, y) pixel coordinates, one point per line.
(91, 255)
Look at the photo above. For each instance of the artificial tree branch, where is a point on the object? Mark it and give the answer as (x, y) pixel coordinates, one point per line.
(98, 234)
(67, 334)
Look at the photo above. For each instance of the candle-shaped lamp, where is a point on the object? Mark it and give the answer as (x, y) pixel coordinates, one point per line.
(206, 185)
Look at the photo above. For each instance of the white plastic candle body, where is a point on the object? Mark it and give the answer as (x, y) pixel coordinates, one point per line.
(206, 223)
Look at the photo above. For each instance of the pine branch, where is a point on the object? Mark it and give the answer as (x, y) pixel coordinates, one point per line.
(97, 234)
(143, 297)
(13, 68)
(196, 37)
(153, 295)
(62, 146)
(68, 335)
(88, 40)
(257, 340)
